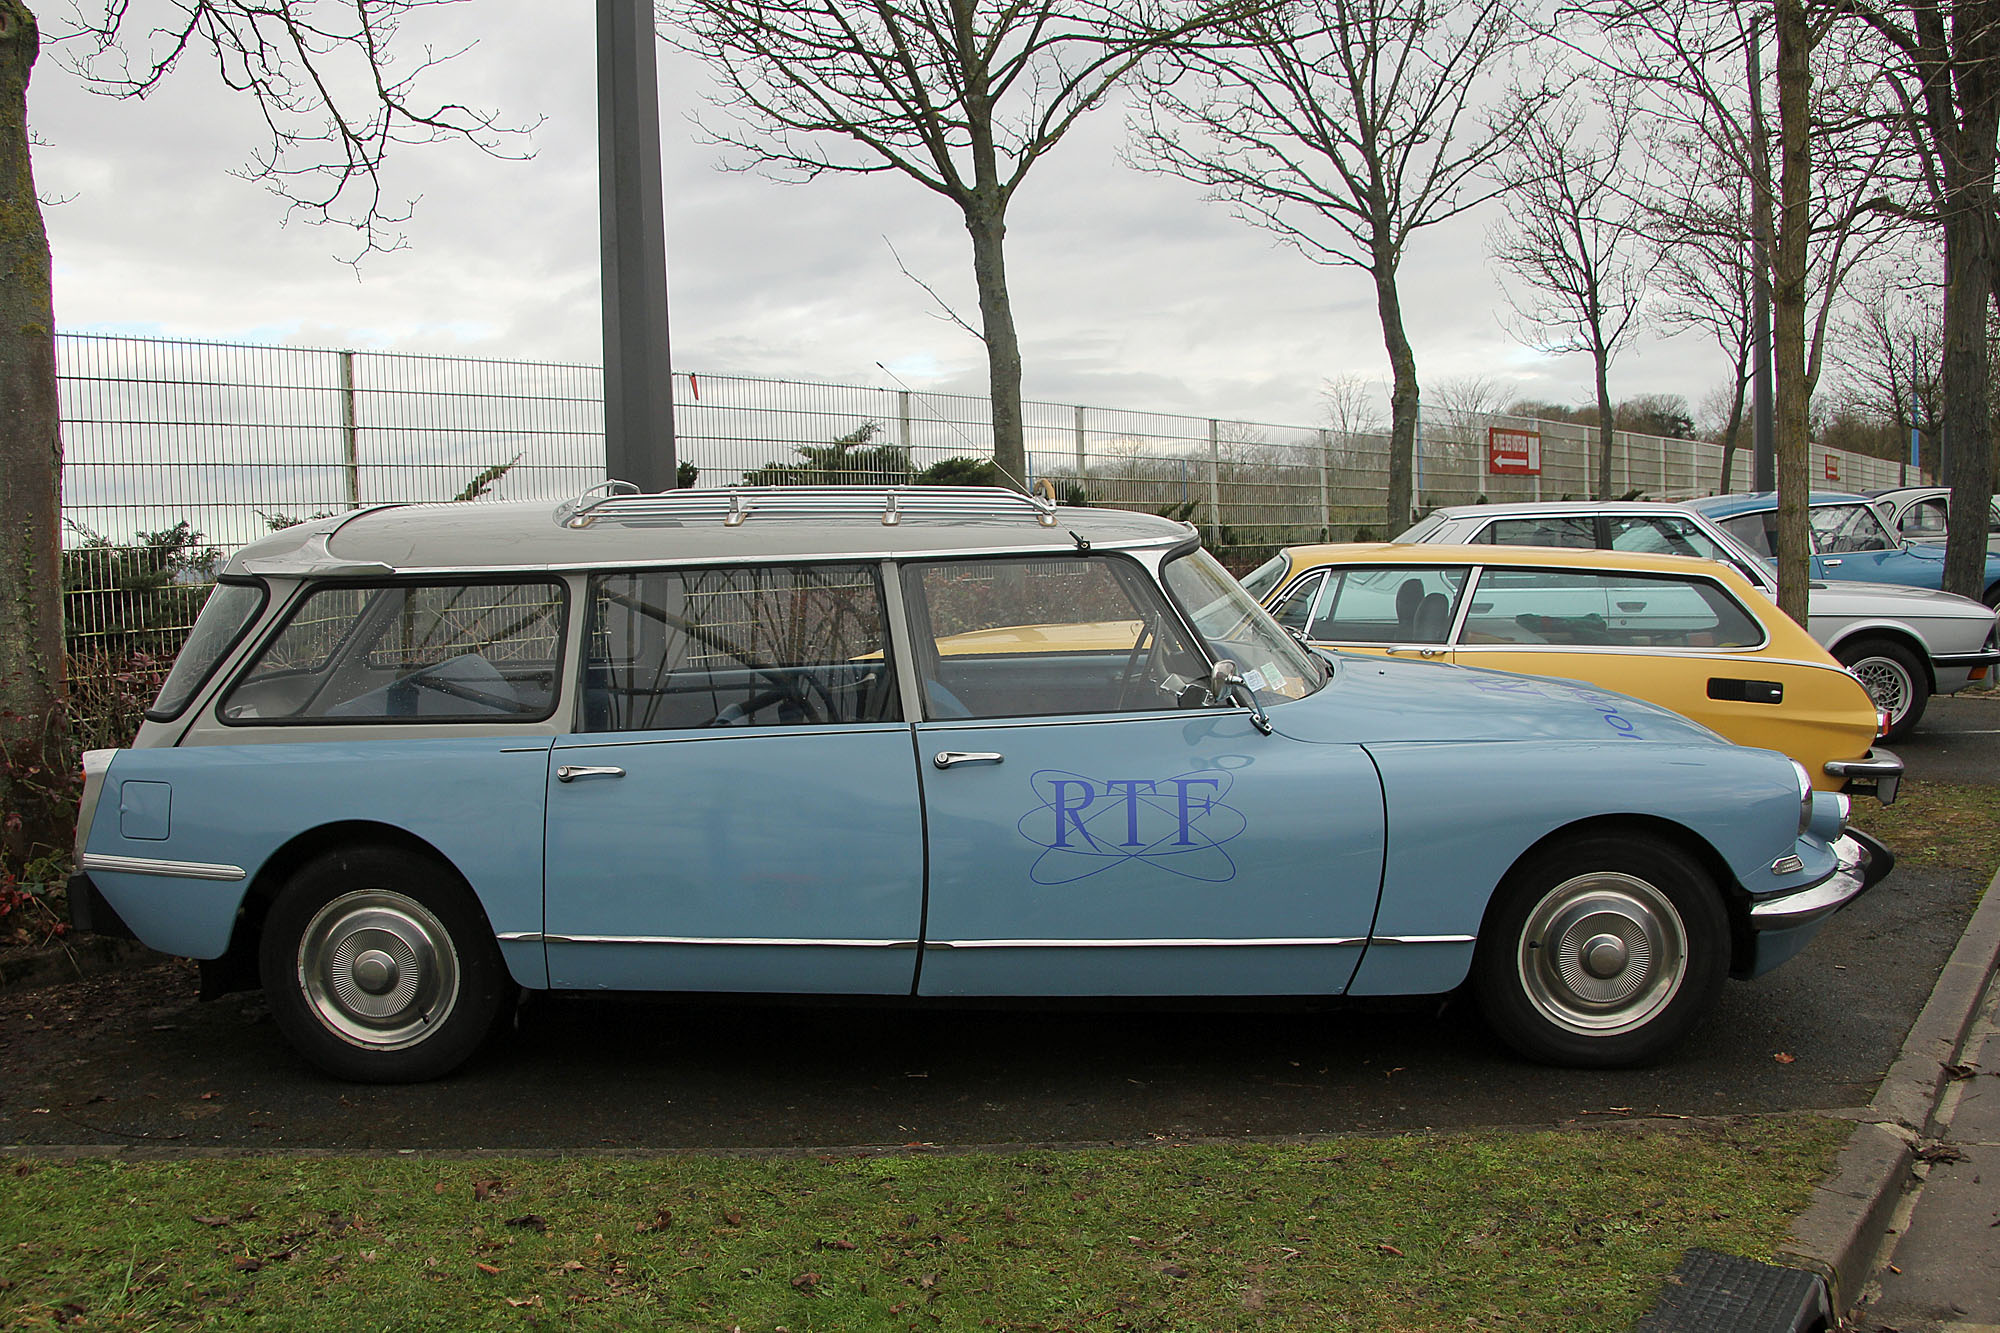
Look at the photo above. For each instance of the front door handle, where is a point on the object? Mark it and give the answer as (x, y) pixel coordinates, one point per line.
(571, 772)
(946, 758)
(1831, 563)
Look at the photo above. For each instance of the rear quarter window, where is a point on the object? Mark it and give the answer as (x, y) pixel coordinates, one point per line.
(409, 652)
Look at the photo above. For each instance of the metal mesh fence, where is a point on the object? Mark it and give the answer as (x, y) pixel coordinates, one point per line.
(176, 453)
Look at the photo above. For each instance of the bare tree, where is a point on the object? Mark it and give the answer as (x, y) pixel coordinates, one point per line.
(1690, 66)
(1944, 63)
(1889, 349)
(320, 79)
(1571, 240)
(961, 96)
(1345, 127)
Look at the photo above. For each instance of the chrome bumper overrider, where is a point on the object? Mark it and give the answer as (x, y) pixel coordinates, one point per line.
(1863, 864)
(1878, 772)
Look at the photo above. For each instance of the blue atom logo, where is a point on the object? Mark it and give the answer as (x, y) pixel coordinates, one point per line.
(1086, 826)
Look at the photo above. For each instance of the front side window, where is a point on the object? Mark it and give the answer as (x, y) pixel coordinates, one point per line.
(1565, 608)
(1260, 581)
(1844, 529)
(1387, 604)
(739, 646)
(448, 652)
(1663, 535)
(1037, 636)
(231, 608)
(1925, 518)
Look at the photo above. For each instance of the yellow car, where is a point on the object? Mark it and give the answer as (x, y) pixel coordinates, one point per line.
(1692, 635)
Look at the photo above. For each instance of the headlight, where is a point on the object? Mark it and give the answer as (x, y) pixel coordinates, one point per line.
(1805, 795)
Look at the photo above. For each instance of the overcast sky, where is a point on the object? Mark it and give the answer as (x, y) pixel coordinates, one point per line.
(1129, 291)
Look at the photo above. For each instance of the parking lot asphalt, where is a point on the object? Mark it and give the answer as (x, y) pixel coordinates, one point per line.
(131, 1060)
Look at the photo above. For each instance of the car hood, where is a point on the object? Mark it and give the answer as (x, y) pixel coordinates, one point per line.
(1375, 699)
(1892, 599)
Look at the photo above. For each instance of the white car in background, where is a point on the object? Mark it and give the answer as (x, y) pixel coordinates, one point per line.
(1905, 644)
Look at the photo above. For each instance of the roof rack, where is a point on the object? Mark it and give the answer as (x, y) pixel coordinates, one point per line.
(621, 501)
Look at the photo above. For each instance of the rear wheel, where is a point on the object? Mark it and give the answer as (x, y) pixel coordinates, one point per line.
(380, 966)
(1601, 951)
(1894, 679)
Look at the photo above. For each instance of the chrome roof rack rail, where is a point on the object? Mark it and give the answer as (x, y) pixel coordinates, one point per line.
(618, 501)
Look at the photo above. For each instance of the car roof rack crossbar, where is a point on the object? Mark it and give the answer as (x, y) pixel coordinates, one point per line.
(620, 501)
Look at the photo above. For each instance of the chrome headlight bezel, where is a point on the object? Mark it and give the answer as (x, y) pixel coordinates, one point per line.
(1805, 796)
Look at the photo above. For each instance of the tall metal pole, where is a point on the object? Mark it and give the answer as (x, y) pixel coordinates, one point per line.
(638, 363)
(1763, 431)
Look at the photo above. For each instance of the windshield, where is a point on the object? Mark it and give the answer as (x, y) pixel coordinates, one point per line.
(1260, 581)
(1273, 664)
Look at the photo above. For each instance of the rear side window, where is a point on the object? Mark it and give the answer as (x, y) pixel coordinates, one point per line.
(231, 609)
(448, 652)
(1576, 532)
(742, 646)
(1565, 608)
(1389, 604)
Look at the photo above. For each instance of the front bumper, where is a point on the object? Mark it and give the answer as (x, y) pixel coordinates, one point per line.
(1878, 773)
(1863, 863)
(1985, 657)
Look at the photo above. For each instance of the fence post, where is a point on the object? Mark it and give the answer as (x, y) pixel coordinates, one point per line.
(1215, 480)
(350, 432)
(903, 418)
(1325, 500)
(1082, 466)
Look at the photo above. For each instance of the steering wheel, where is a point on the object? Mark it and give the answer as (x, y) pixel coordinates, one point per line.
(1143, 662)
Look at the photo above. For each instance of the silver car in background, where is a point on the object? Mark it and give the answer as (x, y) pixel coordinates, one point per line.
(1905, 644)
(1917, 514)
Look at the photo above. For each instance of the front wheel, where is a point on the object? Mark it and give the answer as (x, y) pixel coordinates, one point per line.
(1894, 679)
(380, 966)
(1601, 952)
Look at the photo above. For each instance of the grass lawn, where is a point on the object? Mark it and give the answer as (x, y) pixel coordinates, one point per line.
(1572, 1230)
(1938, 825)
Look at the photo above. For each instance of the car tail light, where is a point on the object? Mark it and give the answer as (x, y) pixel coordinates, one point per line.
(1881, 723)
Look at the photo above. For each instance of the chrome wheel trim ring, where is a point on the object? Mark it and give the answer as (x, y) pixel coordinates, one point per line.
(378, 969)
(1602, 954)
(1887, 683)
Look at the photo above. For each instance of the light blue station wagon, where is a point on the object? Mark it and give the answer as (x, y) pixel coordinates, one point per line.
(915, 742)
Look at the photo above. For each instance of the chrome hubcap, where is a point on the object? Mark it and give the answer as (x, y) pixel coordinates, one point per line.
(1603, 953)
(1887, 684)
(378, 969)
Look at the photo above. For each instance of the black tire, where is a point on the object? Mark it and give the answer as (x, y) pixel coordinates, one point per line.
(381, 967)
(1610, 899)
(1894, 678)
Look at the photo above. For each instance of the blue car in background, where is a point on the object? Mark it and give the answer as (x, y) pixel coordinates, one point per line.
(1850, 541)
(902, 742)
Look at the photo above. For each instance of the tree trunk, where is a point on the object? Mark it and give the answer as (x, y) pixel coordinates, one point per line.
(988, 227)
(1788, 310)
(1735, 426)
(1404, 401)
(1964, 390)
(33, 762)
(1607, 426)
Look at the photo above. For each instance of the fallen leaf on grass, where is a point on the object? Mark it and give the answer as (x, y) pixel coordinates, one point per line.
(487, 1269)
(529, 1222)
(834, 1245)
(1172, 1270)
(246, 1263)
(520, 1302)
(1389, 1250)
(1784, 1059)
(806, 1282)
(483, 1190)
(731, 1217)
(661, 1221)
(212, 1221)
(571, 1266)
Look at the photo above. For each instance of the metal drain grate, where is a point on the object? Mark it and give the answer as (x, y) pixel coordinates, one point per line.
(1720, 1293)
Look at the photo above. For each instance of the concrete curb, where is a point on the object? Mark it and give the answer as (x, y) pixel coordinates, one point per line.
(1843, 1228)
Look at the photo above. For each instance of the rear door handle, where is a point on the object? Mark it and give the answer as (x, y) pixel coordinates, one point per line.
(946, 758)
(571, 772)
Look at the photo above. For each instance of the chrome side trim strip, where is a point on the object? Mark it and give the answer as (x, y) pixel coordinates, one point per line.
(1423, 939)
(1274, 942)
(147, 865)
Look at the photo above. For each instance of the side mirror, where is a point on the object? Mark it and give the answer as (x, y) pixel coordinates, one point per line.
(1226, 684)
